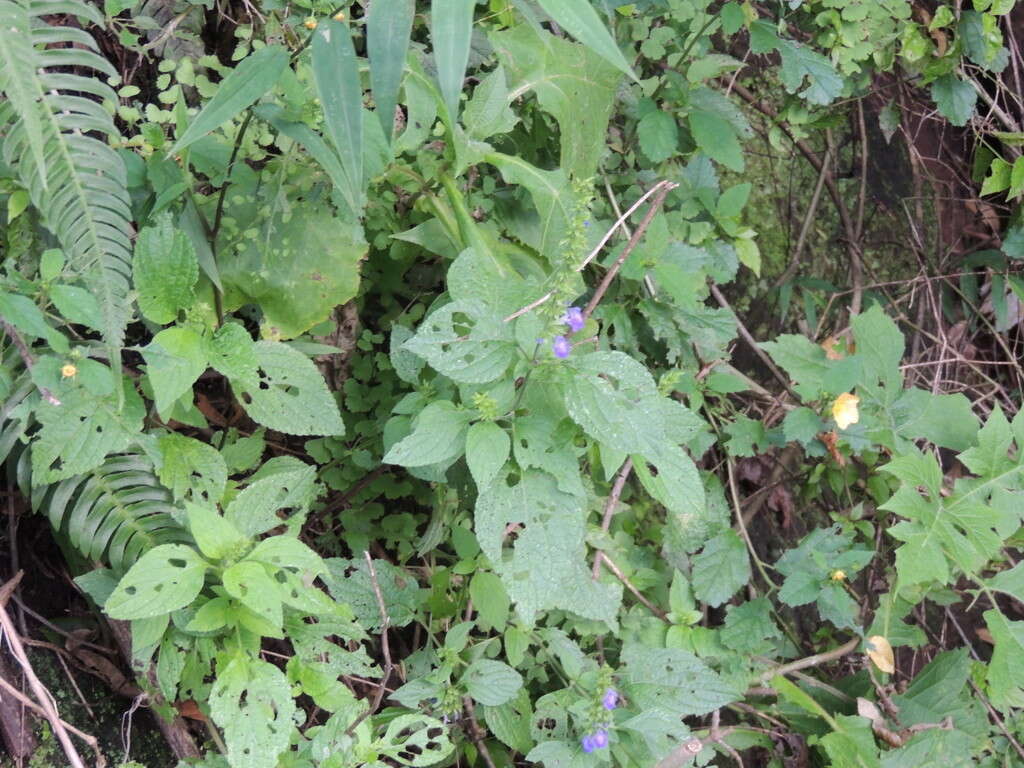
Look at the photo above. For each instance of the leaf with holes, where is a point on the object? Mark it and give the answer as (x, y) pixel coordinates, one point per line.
(191, 468)
(465, 342)
(416, 740)
(251, 701)
(78, 434)
(284, 483)
(290, 394)
(164, 579)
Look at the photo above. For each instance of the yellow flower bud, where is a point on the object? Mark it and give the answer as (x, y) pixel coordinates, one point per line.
(68, 370)
(309, 23)
(844, 410)
(838, 575)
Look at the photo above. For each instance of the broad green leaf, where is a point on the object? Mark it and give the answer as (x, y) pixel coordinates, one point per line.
(451, 28)
(77, 305)
(658, 135)
(491, 683)
(954, 98)
(216, 537)
(388, 26)
(547, 568)
(302, 262)
(76, 435)
(166, 578)
(349, 582)
(488, 113)
(721, 568)
(251, 702)
(336, 72)
(669, 678)
(291, 395)
(569, 81)
(253, 77)
(175, 358)
(164, 270)
(581, 21)
(439, 436)
(282, 483)
(191, 469)
(487, 450)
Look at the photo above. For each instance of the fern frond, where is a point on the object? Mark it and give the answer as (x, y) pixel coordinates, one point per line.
(53, 131)
(115, 513)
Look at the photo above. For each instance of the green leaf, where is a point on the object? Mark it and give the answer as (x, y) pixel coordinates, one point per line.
(164, 270)
(582, 22)
(336, 72)
(252, 78)
(717, 138)
(349, 582)
(439, 436)
(487, 450)
(672, 679)
(388, 27)
(251, 701)
(216, 537)
(721, 568)
(291, 395)
(451, 29)
(166, 578)
(491, 683)
(191, 469)
(488, 112)
(281, 483)
(658, 135)
(175, 358)
(77, 305)
(954, 98)
(76, 435)
(547, 568)
(569, 80)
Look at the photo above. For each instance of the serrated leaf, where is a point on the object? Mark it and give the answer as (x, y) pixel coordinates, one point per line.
(721, 568)
(251, 701)
(164, 270)
(190, 468)
(491, 682)
(166, 578)
(547, 567)
(658, 135)
(451, 29)
(388, 26)
(487, 450)
(291, 395)
(76, 435)
(438, 437)
(175, 358)
(254, 76)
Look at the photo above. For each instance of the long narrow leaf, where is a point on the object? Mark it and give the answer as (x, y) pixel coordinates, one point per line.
(387, 41)
(451, 28)
(579, 19)
(247, 82)
(336, 72)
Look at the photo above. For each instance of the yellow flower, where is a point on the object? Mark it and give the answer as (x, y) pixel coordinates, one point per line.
(309, 23)
(838, 575)
(68, 370)
(844, 410)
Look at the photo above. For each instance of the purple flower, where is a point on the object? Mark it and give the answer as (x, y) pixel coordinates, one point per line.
(600, 738)
(573, 317)
(588, 744)
(611, 699)
(562, 347)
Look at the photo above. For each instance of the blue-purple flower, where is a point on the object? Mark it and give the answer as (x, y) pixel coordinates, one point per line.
(610, 700)
(561, 346)
(573, 317)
